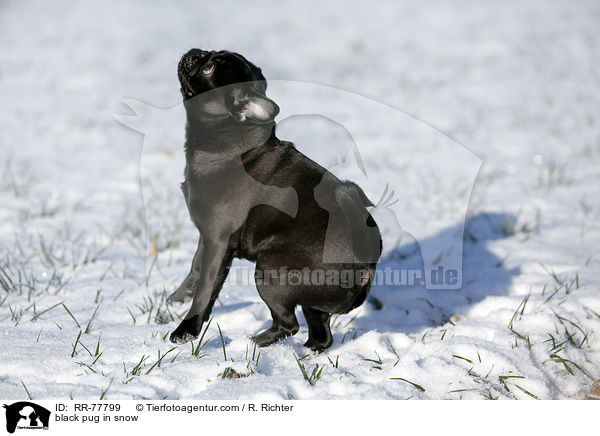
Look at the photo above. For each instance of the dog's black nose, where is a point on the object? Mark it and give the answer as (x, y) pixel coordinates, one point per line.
(193, 60)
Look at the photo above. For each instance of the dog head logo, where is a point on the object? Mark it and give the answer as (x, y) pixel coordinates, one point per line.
(26, 415)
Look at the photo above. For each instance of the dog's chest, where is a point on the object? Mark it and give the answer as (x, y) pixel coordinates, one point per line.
(219, 180)
(226, 186)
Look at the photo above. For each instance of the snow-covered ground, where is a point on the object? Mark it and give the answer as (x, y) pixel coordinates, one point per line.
(82, 310)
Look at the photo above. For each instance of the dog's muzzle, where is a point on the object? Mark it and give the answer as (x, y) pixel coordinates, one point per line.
(194, 61)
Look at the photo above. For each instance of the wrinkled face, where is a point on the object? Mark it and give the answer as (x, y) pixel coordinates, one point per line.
(239, 87)
(200, 71)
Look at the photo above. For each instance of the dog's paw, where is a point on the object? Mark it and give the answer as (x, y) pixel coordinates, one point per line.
(264, 339)
(181, 337)
(187, 331)
(270, 336)
(318, 346)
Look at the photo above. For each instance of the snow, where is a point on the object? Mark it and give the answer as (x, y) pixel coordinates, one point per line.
(505, 92)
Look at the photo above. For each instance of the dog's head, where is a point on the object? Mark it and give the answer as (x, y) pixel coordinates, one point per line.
(239, 86)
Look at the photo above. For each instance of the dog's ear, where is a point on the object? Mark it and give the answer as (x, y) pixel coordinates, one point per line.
(248, 105)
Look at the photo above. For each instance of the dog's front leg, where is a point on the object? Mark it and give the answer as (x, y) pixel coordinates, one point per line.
(213, 265)
(185, 291)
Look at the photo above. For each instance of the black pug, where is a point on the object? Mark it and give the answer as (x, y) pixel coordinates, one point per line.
(255, 197)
